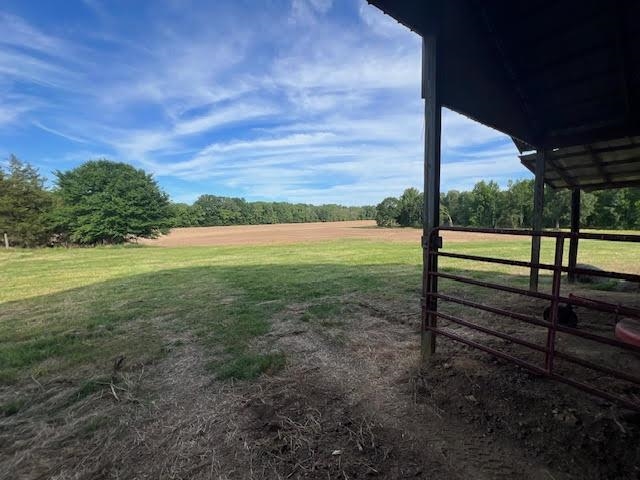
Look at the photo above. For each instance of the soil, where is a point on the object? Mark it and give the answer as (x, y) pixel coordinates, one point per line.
(350, 404)
(298, 232)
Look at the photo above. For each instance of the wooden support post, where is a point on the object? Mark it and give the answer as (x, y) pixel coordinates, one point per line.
(6, 240)
(538, 208)
(431, 212)
(575, 228)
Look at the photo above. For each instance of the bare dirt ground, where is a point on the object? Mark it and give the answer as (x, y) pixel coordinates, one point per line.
(296, 232)
(350, 404)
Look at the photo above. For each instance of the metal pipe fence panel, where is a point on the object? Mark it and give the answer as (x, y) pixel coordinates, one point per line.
(434, 248)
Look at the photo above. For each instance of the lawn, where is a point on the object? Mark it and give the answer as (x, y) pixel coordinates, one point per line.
(70, 312)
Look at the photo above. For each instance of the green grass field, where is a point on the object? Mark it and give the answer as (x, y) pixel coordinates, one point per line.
(71, 312)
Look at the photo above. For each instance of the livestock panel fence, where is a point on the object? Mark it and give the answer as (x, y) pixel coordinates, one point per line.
(549, 348)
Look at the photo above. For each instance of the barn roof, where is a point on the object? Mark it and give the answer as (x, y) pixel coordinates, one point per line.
(559, 74)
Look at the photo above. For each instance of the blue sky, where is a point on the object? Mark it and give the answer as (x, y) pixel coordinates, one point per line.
(314, 101)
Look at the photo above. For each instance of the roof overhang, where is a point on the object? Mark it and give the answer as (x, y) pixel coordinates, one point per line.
(549, 74)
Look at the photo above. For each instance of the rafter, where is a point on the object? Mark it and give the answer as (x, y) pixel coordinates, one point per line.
(622, 55)
(597, 160)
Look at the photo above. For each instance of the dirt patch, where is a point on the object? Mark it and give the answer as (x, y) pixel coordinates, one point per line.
(573, 435)
(303, 428)
(299, 232)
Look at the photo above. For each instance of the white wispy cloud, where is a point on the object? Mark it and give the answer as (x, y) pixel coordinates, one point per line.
(16, 32)
(216, 117)
(294, 103)
(53, 131)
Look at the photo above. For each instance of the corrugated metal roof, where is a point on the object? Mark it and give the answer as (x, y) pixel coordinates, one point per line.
(610, 164)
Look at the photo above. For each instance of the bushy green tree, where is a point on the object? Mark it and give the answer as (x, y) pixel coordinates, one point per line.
(517, 205)
(410, 208)
(387, 212)
(25, 205)
(486, 204)
(109, 202)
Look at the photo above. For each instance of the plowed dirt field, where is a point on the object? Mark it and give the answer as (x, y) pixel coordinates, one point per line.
(298, 232)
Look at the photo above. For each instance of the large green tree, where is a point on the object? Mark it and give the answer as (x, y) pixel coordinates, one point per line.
(486, 204)
(25, 205)
(410, 208)
(109, 202)
(517, 205)
(387, 212)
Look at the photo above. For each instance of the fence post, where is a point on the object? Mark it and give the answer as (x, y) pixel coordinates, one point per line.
(431, 207)
(538, 210)
(575, 229)
(555, 303)
(6, 240)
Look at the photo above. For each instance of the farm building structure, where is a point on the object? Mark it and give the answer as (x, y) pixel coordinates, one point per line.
(562, 79)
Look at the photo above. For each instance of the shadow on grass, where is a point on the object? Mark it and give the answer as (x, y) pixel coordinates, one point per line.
(225, 308)
(141, 316)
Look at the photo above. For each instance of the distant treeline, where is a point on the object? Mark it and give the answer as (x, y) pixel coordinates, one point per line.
(212, 210)
(105, 202)
(487, 205)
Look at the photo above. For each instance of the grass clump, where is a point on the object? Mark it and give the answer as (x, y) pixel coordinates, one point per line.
(12, 407)
(322, 312)
(89, 387)
(247, 366)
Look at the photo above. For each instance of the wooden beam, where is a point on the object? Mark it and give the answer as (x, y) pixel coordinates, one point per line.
(431, 213)
(598, 162)
(593, 179)
(589, 187)
(538, 209)
(575, 228)
(617, 148)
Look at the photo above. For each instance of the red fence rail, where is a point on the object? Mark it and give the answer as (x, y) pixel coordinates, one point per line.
(430, 315)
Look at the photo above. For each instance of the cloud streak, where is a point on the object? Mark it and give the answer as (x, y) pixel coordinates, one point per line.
(302, 100)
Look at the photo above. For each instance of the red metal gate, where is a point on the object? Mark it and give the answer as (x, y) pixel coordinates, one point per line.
(430, 311)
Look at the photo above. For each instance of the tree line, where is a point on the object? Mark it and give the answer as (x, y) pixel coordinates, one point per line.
(212, 210)
(105, 202)
(487, 205)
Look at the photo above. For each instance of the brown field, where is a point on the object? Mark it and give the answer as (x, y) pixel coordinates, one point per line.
(296, 232)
